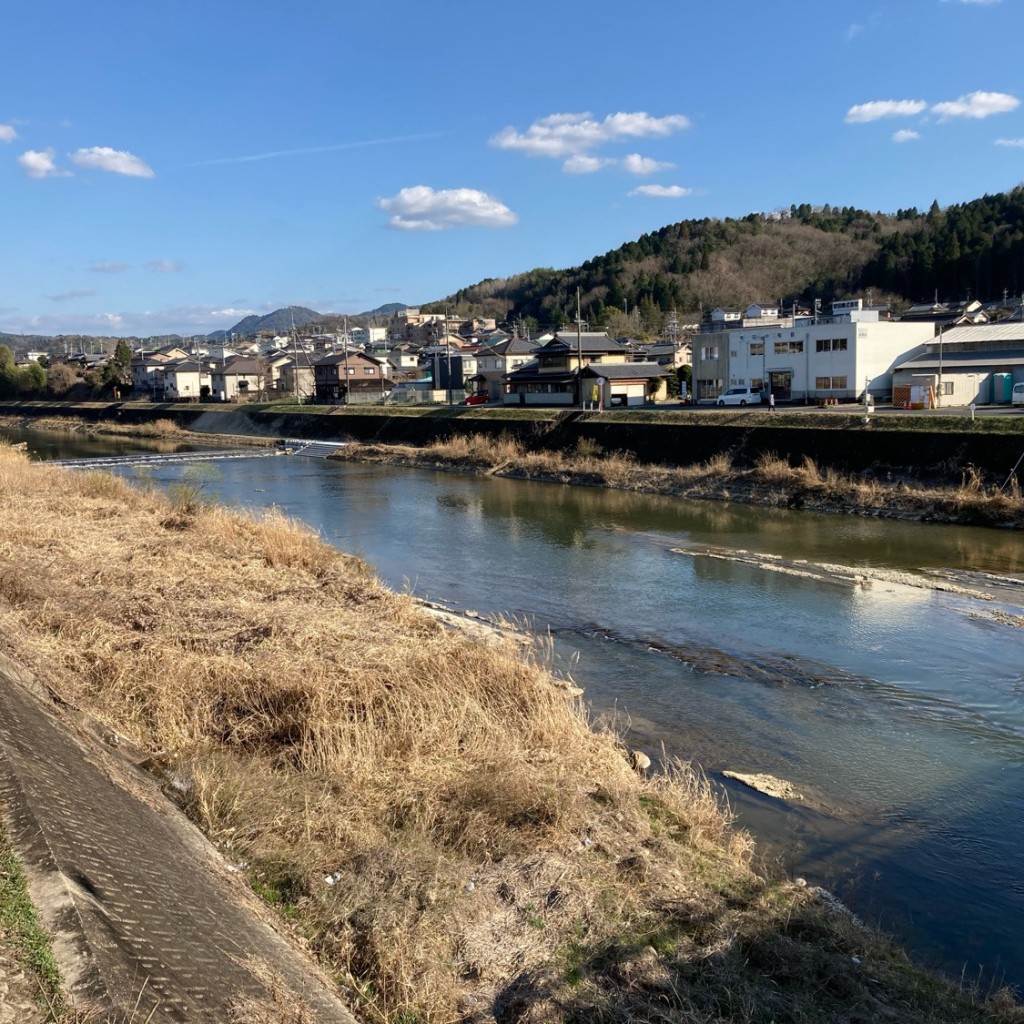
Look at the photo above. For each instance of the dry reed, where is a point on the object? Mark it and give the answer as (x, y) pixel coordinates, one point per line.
(438, 813)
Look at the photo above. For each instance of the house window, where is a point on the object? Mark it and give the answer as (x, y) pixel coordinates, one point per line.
(369, 369)
(350, 370)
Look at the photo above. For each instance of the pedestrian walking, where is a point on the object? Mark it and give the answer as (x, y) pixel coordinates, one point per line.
(771, 401)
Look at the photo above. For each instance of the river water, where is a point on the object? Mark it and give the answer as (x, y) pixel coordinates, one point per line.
(878, 666)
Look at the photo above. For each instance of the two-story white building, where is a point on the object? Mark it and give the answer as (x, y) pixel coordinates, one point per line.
(807, 358)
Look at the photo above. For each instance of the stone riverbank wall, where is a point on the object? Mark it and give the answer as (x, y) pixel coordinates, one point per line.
(833, 440)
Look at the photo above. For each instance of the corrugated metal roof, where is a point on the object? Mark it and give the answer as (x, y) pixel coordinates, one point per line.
(1004, 331)
(985, 360)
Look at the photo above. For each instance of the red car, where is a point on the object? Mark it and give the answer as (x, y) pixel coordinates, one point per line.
(478, 399)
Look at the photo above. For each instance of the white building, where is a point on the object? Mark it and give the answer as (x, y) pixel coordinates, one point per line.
(978, 364)
(808, 359)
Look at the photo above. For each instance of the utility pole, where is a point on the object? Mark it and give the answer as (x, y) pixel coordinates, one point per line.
(579, 350)
(345, 343)
(448, 354)
(295, 361)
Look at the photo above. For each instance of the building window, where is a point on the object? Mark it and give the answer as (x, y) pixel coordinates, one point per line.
(788, 347)
(757, 348)
(708, 388)
(709, 352)
(946, 387)
(756, 384)
(831, 344)
(830, 383)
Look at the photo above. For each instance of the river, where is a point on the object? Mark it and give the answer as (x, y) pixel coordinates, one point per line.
(876, 665)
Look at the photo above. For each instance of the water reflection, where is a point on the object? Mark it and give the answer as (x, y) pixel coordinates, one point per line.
(896, 707)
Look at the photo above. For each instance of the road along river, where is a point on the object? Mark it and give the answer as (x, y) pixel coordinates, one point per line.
(877, 666)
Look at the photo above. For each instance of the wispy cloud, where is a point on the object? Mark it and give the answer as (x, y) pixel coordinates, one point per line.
(164, 266)
(7, 133)
(977, 105)
(662, 191)
(75, 293)
(570, 136)
(1016, 143)
(183, 320)
(277, 154)
(905, 135)
(421, 208)
(40, 163)
(642, 165)
(877, 109)
(116, 161)
(108, 268)
(581, 163)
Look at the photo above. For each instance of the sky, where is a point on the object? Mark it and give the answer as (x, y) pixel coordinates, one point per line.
(171, 168)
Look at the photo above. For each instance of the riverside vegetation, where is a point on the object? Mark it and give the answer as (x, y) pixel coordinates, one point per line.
(431, 812)
(771, 481)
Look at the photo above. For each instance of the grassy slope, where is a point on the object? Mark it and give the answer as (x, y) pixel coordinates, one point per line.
(435, 814)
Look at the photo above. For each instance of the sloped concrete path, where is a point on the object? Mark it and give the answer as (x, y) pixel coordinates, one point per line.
(147, 922)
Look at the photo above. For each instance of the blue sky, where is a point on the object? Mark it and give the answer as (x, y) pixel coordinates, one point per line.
(174, 167)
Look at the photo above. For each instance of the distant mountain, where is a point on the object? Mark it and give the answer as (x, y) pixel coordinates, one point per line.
(388, 309)
(280, 321)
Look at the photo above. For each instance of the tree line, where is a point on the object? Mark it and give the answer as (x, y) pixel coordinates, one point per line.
(791, 257)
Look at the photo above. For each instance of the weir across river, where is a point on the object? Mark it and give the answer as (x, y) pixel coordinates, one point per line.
(311, 449)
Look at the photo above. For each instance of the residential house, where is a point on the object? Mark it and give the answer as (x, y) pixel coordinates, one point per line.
(145, 368)
(554, 377)
(241, 379)
(182, 380)
(493, 362)
(351, 376)
(296, 378)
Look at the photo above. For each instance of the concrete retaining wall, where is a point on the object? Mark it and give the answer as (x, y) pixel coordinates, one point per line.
(848, 446)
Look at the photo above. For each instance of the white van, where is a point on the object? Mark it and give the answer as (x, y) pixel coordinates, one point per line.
(739, 396)
(1017, 397)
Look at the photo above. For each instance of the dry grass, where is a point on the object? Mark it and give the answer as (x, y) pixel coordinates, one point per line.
(771, 481)
(436, 814)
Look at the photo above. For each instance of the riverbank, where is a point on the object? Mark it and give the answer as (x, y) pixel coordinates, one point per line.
(437, 818)
(970, 498)
(771, 482)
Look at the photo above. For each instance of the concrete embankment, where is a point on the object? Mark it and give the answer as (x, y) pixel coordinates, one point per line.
(842, 442)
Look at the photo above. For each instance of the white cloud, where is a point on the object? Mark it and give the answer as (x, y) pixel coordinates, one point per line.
(164, 266)
(7, 133)
(563, 135)
(662, 191)
(184, 320)
(75, 293)
(117, 161)
(420, 208)
(1017, 143)
(977, 105)
(39, 163)
(637, 164)
(982, 2)
(905, 135)
(580, 163)
(877, 109)
(108, 268)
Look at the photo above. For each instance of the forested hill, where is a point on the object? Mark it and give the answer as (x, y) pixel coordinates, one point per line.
(974, 249)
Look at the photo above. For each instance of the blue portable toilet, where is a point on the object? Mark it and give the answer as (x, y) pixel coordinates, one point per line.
(1002, 388)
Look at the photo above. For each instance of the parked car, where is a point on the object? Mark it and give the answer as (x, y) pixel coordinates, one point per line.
(476, 399)
(739, 396)
(1017, 395)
